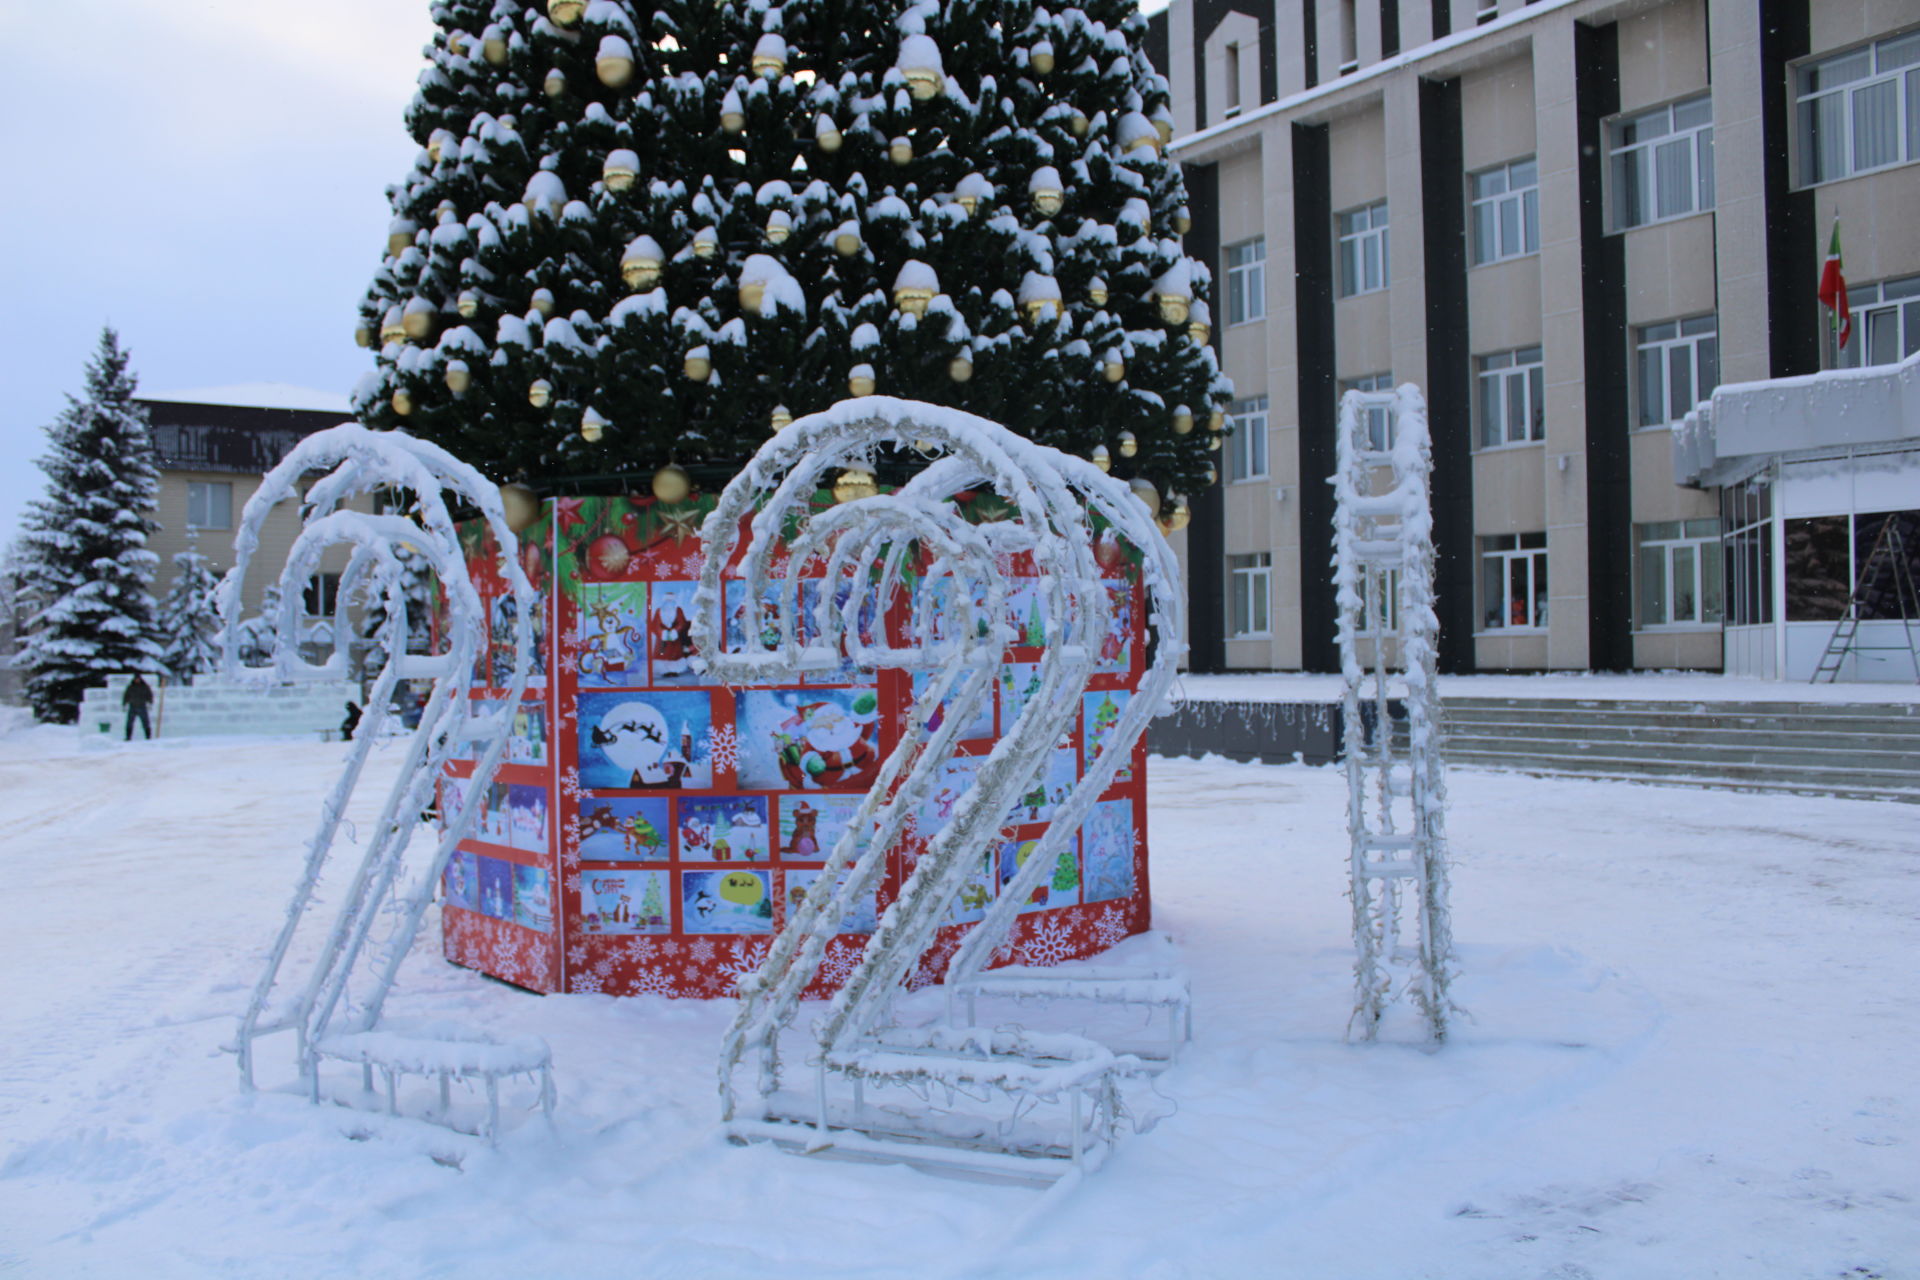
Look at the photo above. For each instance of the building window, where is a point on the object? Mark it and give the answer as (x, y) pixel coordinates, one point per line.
(1677, 366)
(1826, 558)
(1247, 446)
(1513, 396)
(1248, 594)
(1886, 325)
(1860, 111)
(1349, 38)
(1513, 581)
(1662, 163)
(1363, 249)
(1380, 601)
(209, 504)
(321, 595)
(1506, 211)
(1486, 12)
(1247, 280)
(1746, 513)
(1680, 573)
(1233, 80)
(1378, 418)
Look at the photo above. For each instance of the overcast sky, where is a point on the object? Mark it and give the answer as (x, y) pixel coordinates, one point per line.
(208, 176)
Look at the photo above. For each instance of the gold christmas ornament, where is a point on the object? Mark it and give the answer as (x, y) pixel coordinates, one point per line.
(706, 242)
(1114, 368)
(1178, 518)
(540, 394)
(1097, 292)
(1041, 59)
(400, 233)
(1198, 331)
(620, 170)
(752, 294)
(520, 505)
(543, 302)
(846, 240)
(417, 320)
(900, 150)
(1078, 123)
(1174, 309)
(555, 84)
(671, 484)
(1213, 444)
(855, 484)
(733, 121)
(923, 82)
(911, 299)
(1182, 221)
(402, 402)
(1182, 420)
(437, 145)
(614, 64)
(1217, 420)
(1101, 458)
(1128, 444)
(457, 44)
(698, 365)
(494, 47)
(1213, 477)
(468, 304)
(769, 57)
(914, 287)
(1149, 496)
(1040, 297)
(1163, 125)
(779, 226)
(362, 336)
(1137, 133)
(960, 369)
(592, 426)
(780, 418)
(921, 67)
(640, 265)
(826, 134)
(566, 12)
(860, 380)
(459, 377)
(391, 330)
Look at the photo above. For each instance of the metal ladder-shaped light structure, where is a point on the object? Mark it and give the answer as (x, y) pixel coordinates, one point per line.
(333, 1009)
(1059, 1090)
(1388, 631)
(1887, 558)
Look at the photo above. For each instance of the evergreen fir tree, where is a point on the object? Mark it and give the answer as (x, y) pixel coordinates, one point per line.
(420, 594)
(656, 224)
(256, 635)
(189, 624)
(87, 564)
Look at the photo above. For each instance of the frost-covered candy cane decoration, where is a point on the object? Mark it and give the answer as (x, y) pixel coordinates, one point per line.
(1396, 803)
(333, 1009)
(957, 637)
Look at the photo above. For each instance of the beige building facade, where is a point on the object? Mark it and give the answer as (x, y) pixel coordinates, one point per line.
(1567, 222)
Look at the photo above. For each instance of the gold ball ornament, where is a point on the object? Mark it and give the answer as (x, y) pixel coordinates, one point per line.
(698, 365)
(1174, 309)
(400, 233)
(733, 121)
(781, 417)
(592, 426)
(1213, 476)
(752, 294)
(520, 505)
(468, 304)
(900, 150)
(1217, 420)
(671, 484)
(860, 384)
(1097, 292)
(362, 336)
(1182, 420)
(1149, 496)
(402, 403)
(1041, 59)
(1198, 331)
(555, 84)
(1048, 200)
(1213, 443)
(540, 394)
(1129, 445)
(960, 369)
(543, 302)
(1115, 368)
(620, 170)
(846, 241)
(613, 69)
(1079, 123)
(494, 48)
(769, 57)
(779, 226)
(912, 300)
(826, 134)
(1178, 517)
(855, 484)
(1102, 458)
(566, 12)
(923, 82)
(459, 377)
(640, 266)
(1163, 126)
(417, 321)
(1182, 221)
(706, 242)
(391, 329)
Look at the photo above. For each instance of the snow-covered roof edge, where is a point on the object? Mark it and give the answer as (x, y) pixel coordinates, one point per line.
(259, 395)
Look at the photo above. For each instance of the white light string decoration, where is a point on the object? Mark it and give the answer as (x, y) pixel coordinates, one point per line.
(876, 548)
(334, 1009)
(1388, 630)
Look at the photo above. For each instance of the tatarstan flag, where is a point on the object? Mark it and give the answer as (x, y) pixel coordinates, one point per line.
(1833, 289)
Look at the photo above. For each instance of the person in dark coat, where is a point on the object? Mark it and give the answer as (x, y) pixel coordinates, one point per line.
(137, 698)
(351, 722)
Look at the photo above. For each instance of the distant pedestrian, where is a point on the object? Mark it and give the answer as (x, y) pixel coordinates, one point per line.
(352, 721)
(137, 698)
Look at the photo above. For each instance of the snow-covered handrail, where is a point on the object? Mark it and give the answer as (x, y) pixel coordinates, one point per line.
(863, 545)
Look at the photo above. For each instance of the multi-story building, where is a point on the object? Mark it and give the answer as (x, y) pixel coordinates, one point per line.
(214, 448)
(1567, 221)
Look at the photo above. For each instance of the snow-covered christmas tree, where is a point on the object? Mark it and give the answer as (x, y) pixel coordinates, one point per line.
(420, 593)
(189, 622)
(256, 634)
(84, 544)
(637, 234)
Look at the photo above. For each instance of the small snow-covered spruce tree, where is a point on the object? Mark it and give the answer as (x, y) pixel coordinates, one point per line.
(85, 543)
(421, 595)
(633, 232)
(189, 622)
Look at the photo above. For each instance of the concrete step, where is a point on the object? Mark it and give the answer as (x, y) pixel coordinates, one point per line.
(1785, 754)
(1856, 790)
(1797, 710)
(1688, 736)
(1712, 721)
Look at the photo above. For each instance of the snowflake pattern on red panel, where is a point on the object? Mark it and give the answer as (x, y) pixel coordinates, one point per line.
(686, 820)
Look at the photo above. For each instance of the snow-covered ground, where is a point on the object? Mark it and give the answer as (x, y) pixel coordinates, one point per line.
(1691, 1055)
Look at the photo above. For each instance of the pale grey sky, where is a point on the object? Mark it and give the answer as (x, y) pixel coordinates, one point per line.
(206, 175)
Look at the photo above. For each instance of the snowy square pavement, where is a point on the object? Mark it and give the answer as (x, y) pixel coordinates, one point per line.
(1692, 1054)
